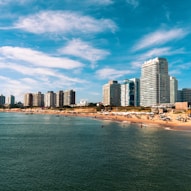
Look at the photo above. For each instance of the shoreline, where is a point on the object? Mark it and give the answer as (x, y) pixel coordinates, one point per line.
(129, 117)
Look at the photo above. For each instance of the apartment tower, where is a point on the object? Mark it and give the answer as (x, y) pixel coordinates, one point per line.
(2, 100)
(186, 94)
(130, 92)
(173, 89)
(11, 100)
(38, 99)
(50, 99)
(28, 100)
(69, 97)
(112, 93)
(154, 82)
(60, 99)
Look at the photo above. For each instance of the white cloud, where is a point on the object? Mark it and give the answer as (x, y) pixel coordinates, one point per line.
(175, 72)
(134, 3)
(8, 87)
(37, 58)
(155, 52)
(110, 73)
(33, 79)
(40, 73)
(63, 22)
(165, 51)
(100, 2)
(159, 37)
(180, 68)
(84, 50)
(5, 2)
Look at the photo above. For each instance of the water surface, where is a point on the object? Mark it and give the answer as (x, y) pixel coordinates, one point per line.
(47, 152)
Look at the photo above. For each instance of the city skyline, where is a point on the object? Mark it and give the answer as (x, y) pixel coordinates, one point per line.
(80, 45)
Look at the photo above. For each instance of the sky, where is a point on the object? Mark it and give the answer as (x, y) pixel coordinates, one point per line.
(52, 45)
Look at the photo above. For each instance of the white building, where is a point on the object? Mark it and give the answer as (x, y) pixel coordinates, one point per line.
(173, 89)
(83, 102)
(154, 82)
(50, 99)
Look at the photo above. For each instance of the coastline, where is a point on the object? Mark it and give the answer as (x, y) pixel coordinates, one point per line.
(141, 118)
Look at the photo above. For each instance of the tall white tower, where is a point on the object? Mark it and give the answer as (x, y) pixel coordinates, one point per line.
(155, 82)
(50, 99)
(173, 89)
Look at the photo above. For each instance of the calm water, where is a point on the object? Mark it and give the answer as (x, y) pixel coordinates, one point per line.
(50, 153)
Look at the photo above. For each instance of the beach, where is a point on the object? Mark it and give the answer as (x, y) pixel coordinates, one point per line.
(174, 121)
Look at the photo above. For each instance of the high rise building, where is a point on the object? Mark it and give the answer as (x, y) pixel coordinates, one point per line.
(173, 89)
(2, 100)
(11, 100)
(50, 99)
(38, 99)
(60, 99)
(130, 92)
(179, 96)
(154, 82)
(28, 100)
(112, 93)
(186, 94)
(69, 97)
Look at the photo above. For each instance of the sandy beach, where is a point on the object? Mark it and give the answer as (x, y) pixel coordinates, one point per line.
(173, 121)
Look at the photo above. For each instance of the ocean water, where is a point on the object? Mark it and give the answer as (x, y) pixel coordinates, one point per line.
(51, 153)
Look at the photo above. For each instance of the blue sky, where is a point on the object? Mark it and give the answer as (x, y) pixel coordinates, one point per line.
(71, 44)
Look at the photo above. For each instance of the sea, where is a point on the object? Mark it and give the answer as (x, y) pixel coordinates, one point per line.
(69, 153)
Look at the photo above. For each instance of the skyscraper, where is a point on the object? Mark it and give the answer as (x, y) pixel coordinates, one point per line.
(38, 99)
(60, 99)
(112, 93)
(50, 99)
(186, 94)
(154, 82)
(2, 100)
(11, 100)
(28, 100)
(130, 92)
(69, 97)
(173, 89)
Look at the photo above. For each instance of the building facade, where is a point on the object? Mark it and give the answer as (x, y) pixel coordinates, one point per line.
(28, 100)
(154, 82)
(60, 99)
(179, 96)
(112, 93)
(186, 94)
(130, 92)
(69, 97)
(11, 100)
(50, 99)
(173, 89)
(2, 100)
(38, 99)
